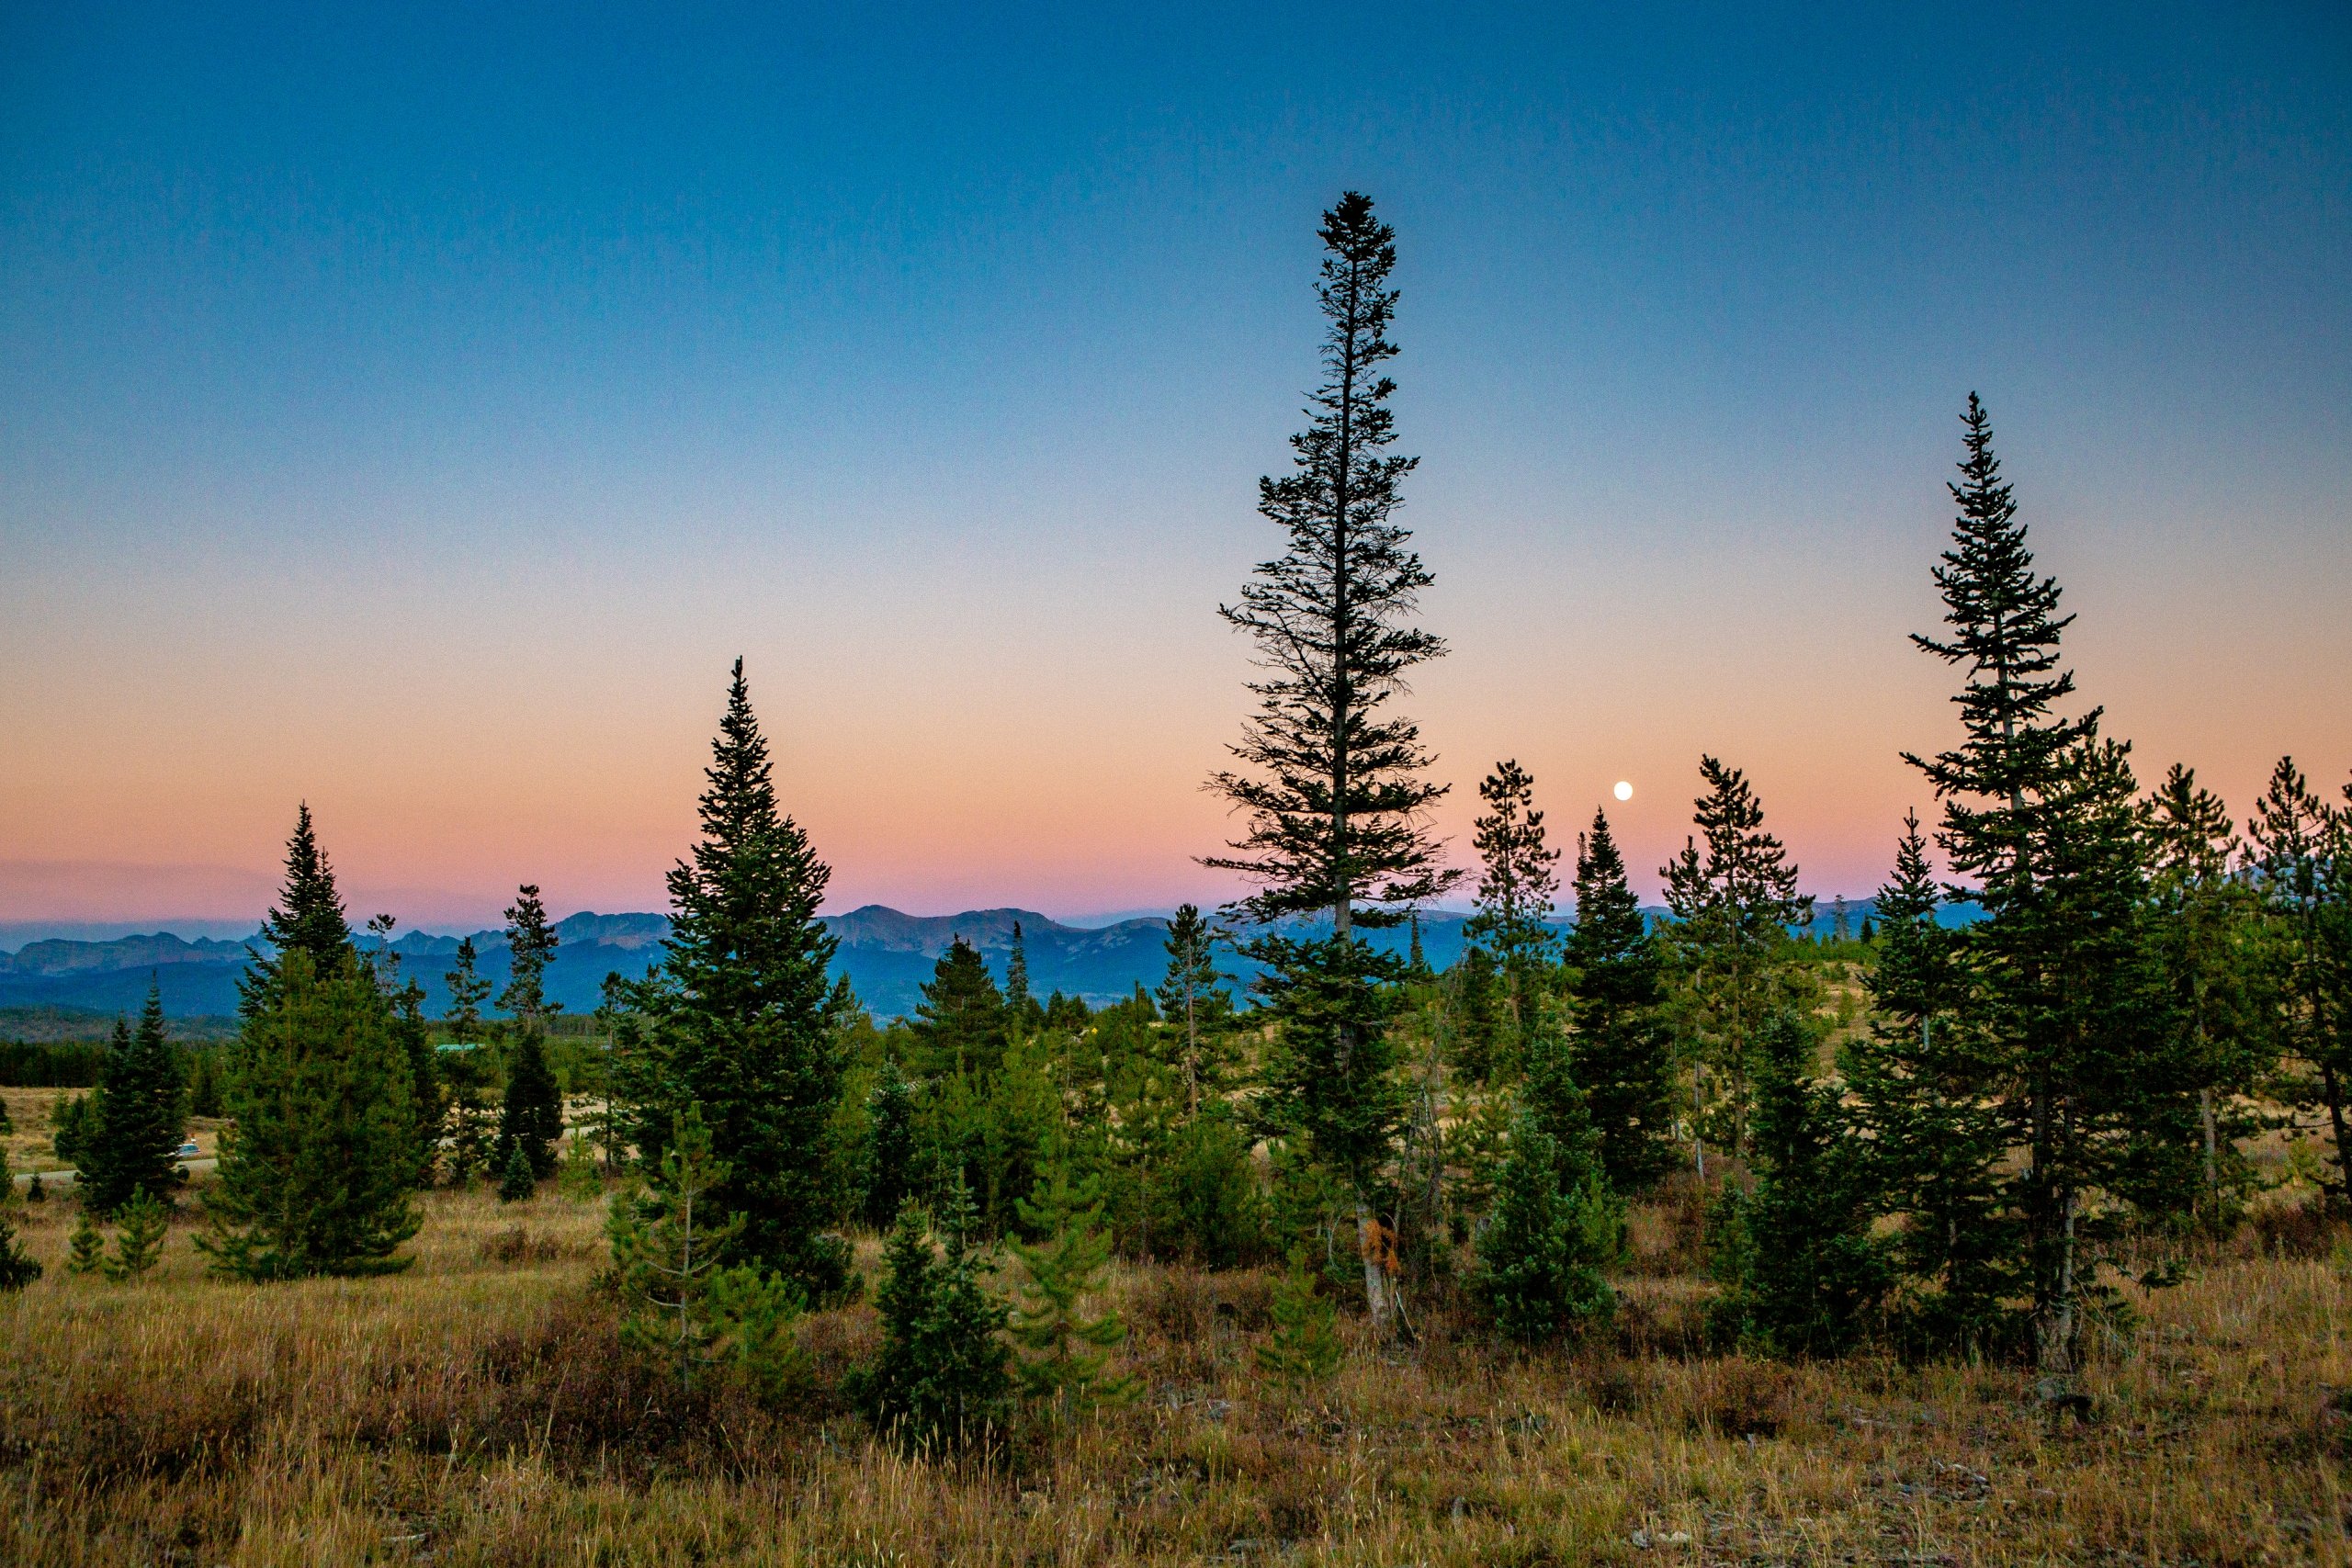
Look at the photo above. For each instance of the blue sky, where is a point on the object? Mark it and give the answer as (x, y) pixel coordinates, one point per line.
(413, 411)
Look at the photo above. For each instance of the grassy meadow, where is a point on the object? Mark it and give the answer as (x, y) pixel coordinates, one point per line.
(474, 1409)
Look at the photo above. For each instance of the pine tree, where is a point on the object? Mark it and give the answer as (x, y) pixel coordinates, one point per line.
(139, 1243)
(1063, 1364)
(1476, 1008)
(1621, 1050)
(1556, 1224)
(679, 1300)
(1304, 1346)
(2208, 926)
(531, 1115)
(1337, 799)
(960, 1022)
(1020, 1008)
(138, 1115)
(531, 942)
(1554, 1227)
(517, 1181)
(427, 1095)
(2043, 815)
(1192, 997)
(317, 1166)
(35, 1192)
(471, 1119)
(18, 1268)
(1517, 886)
(1800, 1271)
(580, 1176)
(735, 1016)
(70, 1120)
(85, 1248)
(941, 1377)
(1733, 907)
(1934, 1145)
(890, 1145)
(2301, 866)
(309, 920)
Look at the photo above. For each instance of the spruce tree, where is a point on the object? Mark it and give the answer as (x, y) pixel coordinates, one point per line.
(531, 942)
(2302, 873)
(516, 1181)
(1733, 907)
(680, 1302)
(941, 1377)
(960, 1022)
(309, 918)
(1477, 1019)
(138, 1115)
(531, 1116)
(1304, 1346)
(1335, 797)
(1063, 1363)
(85, 1247)
(1622, 1046)
(317, 1164)
(734, 1018)
(1801, 1271)
(1558, 1224)
(415, 1044)
(1934, 1145)
(18, 1268)
(1555, 1225)
(1191, 996)
(890, 1153)
(2208, 925)
(465, 1076)
(139, 1242)
(1518, 883)
(70, 1120)
(1022, 1011)
(2042, 816)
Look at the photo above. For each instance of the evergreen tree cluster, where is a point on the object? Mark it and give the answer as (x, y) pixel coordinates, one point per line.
(1949, 1173)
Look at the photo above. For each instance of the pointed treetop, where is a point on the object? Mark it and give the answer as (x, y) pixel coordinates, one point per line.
(310, 916)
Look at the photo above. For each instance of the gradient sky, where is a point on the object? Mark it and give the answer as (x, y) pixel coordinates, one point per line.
(416, 414)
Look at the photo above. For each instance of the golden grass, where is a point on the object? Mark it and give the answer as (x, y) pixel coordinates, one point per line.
(473, 1411)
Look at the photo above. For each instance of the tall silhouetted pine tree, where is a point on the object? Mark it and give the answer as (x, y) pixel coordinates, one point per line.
(1935, 1144)
(1622, 1046)
(530, 944)
(1518, 881)
(1733, 905)
(734, 1016)
(2043, 816)
(137, 1115)
(1334, 794)
(307, 918)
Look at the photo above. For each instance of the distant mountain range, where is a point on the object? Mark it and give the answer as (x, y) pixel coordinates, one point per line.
(886, 955)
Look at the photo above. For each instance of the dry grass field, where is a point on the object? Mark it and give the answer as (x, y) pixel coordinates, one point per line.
(474, 1410)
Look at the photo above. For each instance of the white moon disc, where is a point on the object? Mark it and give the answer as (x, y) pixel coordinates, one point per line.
(1624, 790)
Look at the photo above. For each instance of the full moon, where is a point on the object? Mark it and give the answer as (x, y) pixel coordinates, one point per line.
(1624, 790)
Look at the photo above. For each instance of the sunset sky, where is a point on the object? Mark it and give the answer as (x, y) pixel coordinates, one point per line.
(417, 414)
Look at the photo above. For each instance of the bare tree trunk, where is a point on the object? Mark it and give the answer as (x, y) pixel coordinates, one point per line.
(1379, 1289)
(2212, 1157)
